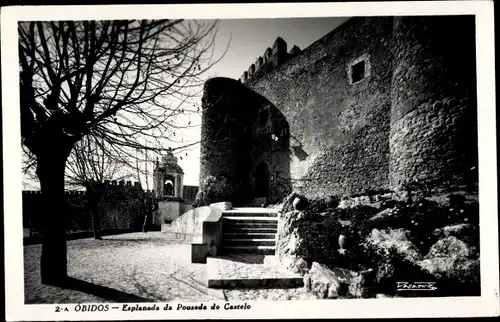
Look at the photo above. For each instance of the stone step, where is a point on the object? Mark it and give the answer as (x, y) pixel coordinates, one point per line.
(251, 225)
(250, 214)
(249, 271)
(249, 242)
(249, 234)
(246, 230)
(254, 221)
(249, 219)
(251, 210)
(265, 250)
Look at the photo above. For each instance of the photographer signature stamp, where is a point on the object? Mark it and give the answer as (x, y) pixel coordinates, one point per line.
(416, 286)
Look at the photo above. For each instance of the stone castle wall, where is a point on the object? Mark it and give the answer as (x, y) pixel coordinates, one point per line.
(433, 135)
(411, 118)
(338, 130)
(237, 135)
(122, 208)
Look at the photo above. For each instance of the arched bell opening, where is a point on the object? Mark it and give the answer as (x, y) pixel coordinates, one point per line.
(169, 186)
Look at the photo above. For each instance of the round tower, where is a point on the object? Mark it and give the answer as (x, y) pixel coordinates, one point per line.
(244, 152)
(225, 140)
(433, 135)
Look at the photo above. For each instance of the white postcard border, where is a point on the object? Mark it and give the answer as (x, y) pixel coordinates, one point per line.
(486, 305)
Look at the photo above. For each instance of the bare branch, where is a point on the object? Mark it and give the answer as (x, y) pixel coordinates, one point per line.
(111, 88)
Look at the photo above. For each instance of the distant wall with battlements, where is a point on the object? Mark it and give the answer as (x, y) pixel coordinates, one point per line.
(380, 103)
(121, 208)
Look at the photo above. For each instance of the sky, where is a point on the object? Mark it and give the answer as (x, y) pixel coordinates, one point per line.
(248, 39)
(245, 40)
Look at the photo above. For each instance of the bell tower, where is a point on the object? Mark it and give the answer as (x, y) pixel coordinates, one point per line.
(168, 177)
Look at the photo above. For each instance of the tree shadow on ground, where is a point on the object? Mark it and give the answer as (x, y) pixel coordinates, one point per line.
(188, 287)
(103, 292)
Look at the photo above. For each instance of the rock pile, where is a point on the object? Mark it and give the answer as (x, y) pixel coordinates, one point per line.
(363, 248)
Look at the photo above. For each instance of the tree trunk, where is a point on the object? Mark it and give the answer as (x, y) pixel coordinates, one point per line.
(96, 223)
(145, 209)
(95, 191)
(51, 163)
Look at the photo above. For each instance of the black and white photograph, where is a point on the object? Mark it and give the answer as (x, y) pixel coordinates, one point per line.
(221, 161)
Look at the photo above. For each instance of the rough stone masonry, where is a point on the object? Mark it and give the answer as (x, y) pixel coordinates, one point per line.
(378, 104)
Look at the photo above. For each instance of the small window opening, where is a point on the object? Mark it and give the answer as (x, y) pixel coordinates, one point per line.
(358, 71)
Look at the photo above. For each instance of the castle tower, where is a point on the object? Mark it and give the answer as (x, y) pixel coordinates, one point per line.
(168, 177)
(244, 145)
(433, 135)
(224, 148)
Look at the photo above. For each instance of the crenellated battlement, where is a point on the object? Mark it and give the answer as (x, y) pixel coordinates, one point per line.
(273, 57)
(123, 183)
(67, 192)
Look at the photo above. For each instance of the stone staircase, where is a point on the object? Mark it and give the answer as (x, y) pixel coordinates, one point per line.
(249, 231)
(247, 256)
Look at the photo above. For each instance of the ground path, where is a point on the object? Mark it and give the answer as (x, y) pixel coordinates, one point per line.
(132, 268)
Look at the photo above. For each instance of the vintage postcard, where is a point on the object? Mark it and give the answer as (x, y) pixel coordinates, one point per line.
(314, 160)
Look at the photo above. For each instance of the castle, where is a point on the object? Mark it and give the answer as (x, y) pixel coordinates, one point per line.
(378, 104)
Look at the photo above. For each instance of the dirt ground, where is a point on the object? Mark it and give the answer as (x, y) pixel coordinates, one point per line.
(136, 267)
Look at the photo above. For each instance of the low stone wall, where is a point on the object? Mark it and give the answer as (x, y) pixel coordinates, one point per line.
(211, 237)
(189, 226)
(168, 211)
(202, 227)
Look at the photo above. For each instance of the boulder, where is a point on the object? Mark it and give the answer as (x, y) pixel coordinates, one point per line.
(345, 223)
(454, 272)
(463, 230)
(287, 249)
(396, 239)
(354, 202)
(295, 264)
(287, 221)
(458, 230)
(301, 215)
(361, 286)
(389, 203)
(300, 203)
(455, 265)
(451, 246)
(336, 282)
(402, 195)
(292, 243)
(442, 200)
(300, 266)
(384, 214)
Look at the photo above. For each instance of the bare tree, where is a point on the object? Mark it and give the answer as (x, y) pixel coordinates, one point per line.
(89, 166)
(90, 162)
(122, 82)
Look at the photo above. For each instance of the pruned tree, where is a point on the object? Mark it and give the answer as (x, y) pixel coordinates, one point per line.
(122, 82)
